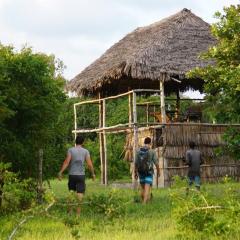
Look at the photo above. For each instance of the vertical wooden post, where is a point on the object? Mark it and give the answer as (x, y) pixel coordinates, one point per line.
(40, 175)
(104, 142)
(177, 108)
(161, 166)
(135, 136)
(130, 112)
(154, 110)
(162, 98)
(163, 116)
(147, 113)
(101, 140)
(75, 120)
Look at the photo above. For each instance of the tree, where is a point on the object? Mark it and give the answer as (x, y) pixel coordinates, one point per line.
(222, 80)
(31, 102)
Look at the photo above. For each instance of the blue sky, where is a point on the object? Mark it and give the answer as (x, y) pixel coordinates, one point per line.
(79, 31)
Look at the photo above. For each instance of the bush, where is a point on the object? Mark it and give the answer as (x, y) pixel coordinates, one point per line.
(16, 194)
(110, 205)
(207, 215)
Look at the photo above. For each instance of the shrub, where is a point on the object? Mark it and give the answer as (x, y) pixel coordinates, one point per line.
(110, 205)
(16, 194)
(205, 214)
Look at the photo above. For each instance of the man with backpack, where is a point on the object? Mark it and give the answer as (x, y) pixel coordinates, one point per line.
(145, 160)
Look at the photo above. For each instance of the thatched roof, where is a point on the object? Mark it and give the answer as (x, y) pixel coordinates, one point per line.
(171, 46)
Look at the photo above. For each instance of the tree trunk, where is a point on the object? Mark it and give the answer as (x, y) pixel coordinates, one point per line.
(40, 175)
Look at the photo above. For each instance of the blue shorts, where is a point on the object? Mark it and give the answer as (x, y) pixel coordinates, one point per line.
(195, 180)
(146, 179)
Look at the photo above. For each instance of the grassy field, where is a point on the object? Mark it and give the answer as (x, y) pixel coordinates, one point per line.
(140, 222)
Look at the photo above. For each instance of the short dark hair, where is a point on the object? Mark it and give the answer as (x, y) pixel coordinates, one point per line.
(192, 144)
(79, 139)
(147, 140)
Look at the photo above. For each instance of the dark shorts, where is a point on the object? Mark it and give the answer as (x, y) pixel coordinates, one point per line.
(146, 179)
(76, 183)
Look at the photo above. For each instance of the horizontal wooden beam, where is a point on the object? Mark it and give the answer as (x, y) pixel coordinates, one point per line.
(116, 96)
(152, 126)
(101, 99)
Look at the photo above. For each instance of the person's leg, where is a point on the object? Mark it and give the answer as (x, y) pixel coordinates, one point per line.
(142, 183)
(142, 191)
(197, 182)
(80, 187)
(147, 187)
(71, 188)
(146, 193)
(190, 182)
(80, 198)
(150, 193)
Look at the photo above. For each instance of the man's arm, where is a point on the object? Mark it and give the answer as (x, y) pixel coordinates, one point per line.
(201, 159)
(188, 158)
(65, 165)
(90, 166)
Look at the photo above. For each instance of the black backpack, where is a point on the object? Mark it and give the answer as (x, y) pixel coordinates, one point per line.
(143, 163)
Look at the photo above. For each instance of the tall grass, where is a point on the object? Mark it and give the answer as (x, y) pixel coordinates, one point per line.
(140, 222)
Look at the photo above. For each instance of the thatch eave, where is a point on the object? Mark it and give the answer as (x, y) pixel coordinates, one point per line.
(171, 46)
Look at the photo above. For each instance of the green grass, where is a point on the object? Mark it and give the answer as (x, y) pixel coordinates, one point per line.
(141, 222)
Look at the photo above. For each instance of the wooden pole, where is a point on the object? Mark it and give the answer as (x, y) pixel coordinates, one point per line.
(163, 116)
(75, 120)
(135, 136)
(130, 121)
(130, 112)
(162, 98)
(104, 141)
(147, 113)
(101, 140)
(177, 108)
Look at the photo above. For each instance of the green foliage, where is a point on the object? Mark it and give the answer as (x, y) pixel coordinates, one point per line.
(232, 137)
(222, 81)
(110, 205)
(31, 109)
(232, 146)
(205, 215)
(157, 220)
(16, 194)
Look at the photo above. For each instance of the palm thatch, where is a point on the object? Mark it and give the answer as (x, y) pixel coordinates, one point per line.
(171, 46)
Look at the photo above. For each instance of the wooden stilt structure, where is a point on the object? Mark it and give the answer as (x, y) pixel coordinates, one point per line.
(135, 135)
(161, 159)
(102, 140)
(132, 126)
(177, 108)
(75, 121)
(162, 98)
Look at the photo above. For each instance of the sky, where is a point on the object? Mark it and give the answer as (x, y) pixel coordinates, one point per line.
(80, 31)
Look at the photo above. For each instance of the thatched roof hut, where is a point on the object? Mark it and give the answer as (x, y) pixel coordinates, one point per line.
(171, 46)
